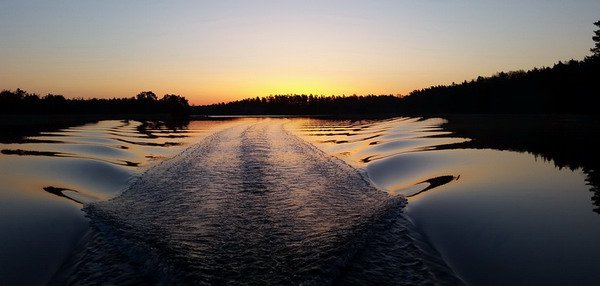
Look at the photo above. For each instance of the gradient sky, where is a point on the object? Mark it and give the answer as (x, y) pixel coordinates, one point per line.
(212, 51)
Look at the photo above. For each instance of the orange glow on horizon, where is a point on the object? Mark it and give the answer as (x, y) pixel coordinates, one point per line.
(211, 51)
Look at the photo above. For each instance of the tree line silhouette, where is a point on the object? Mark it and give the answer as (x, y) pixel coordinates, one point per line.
(295, 104)
(146, 102)
(569, 87)
(563, 88)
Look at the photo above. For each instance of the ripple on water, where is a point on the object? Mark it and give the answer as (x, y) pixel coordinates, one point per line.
(253, 204)
(496, 217)
(46, 177)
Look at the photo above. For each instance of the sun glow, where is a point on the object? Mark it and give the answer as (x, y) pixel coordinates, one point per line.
(215, 51)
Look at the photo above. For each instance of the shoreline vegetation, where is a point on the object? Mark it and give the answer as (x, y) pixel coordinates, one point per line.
(144, 103)
(565, 88)
(23, 113)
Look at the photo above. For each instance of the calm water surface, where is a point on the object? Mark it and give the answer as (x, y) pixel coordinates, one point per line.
(494, 217)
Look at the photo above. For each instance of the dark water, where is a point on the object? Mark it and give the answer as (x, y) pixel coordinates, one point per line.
(303, 201)
(45, 178)
(496, 217)
(253, 204)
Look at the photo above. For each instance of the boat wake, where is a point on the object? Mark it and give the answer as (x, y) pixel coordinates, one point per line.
(252, 204)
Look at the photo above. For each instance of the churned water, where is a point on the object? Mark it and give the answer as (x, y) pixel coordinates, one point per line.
(253, 204)
(479, 201)
(505, 200)
(47, 176)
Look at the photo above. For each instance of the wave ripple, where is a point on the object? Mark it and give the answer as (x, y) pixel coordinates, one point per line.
(252, 204)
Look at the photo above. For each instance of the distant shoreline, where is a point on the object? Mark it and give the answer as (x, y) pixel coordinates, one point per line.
(15, 126)
(565, 88)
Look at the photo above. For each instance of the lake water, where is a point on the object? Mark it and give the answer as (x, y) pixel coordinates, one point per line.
(496, 217)
(489, 201)
(46, 178)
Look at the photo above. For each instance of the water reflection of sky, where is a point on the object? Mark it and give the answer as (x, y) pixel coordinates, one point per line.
(497, 217)
(46, 177)
(494, 216)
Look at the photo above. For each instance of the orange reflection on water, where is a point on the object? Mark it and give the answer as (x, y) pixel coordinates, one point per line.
(46, 177)
(491, 214)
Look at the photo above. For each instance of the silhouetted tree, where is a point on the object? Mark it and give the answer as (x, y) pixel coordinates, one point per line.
(175, 104)
(567, 87)
(302, 104)
(146, 96)
(596, 49)
(21, 102)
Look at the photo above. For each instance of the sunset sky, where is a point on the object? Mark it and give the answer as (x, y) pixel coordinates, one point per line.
(212, 51)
